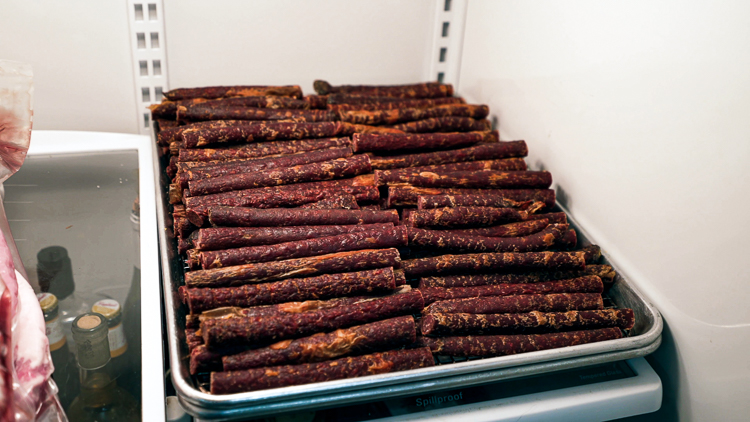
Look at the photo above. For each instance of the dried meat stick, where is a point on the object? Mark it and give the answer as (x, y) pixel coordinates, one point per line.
(591, 253)
(256, 330)
(350, 367)
(556, 302)
(198, 207)
(507, 261)
(237, 167)
(521, 228)
(604, 272)
(484, 151)
(437, 324)
(204, 360)
(192, 339)
(249, 217)
(401, 115)
(321, 287)
(407, 196)
(369, 239)
(262, 149)
(313, 172)
(588, 284)
(205, 112)
(316, 102)
(490, 179)
(300, 267)
(342, 201)
(263, 131)
(418, 141)
(464, 217)
(486, 346)
(212, 92)
(394, 102)
(215, 238)
(182, 227)
(425, 202)
(502, 164)
(387, 103)
(281, 309)
(444, 124)
(174, 134)
(443, 240)
(551, 217)
(568, 241)
(366, 338)
(420, 90)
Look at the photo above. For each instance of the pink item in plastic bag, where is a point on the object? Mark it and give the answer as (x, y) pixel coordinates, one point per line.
(27, 392)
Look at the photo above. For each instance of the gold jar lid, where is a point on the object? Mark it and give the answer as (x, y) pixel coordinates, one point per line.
(47, 301)
(110, 308)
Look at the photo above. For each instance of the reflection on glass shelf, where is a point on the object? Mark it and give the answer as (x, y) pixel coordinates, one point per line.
(75, 221)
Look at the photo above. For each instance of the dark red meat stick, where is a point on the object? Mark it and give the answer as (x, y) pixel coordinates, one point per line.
(327, 170)
(286, 308)
(255, 330)
(604, 272)
(203, 112)
(181, 224)
(588, 284)
(211, 92)
(436, 324)
(248, 217)
(395, 102)
(367, 338)
(489, 179)
(263, 131)
(502, 164)
(443, 240)
(521, 228)
(198, 207)
(324, 286)
(215, 238)
(192, 339)
(551, 217)
(400, 196)
(464, 217)
(444, 124)
(591, 253)
(389, 117)
(485, 151)
(300, 267)
(388, 103)
(350, 367)
(362, 142)
(486, 346)
(442, 201)
(508, 261)
(168, 136)
(262, 149)
(518, 303)
(420, 90)
(342, 201)
(238, 167)
(316, 102)
(370, 239)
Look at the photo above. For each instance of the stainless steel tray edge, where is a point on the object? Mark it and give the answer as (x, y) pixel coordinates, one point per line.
(342, 392)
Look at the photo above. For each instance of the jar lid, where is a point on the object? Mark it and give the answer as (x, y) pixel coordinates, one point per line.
(110, 308)
(47, 301)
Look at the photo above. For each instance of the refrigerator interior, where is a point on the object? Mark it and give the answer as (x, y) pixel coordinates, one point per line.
(638, 110)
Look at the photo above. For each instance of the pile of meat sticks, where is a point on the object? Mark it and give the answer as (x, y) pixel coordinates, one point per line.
(363, 231)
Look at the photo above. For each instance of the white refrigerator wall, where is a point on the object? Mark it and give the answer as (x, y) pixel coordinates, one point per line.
(640, 111)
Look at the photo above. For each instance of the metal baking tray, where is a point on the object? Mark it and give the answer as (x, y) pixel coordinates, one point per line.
(642, 340)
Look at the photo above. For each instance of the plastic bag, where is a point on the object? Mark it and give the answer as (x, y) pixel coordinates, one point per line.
(27, 392)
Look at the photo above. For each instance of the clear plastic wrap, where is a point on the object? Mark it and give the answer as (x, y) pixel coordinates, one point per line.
(27, 392)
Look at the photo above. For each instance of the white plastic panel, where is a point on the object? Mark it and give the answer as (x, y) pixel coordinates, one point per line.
(80, 53)
(294, 42)
(639, 110)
